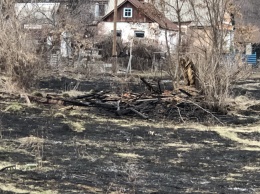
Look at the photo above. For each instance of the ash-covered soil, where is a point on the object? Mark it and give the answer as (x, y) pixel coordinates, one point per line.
(56, 149)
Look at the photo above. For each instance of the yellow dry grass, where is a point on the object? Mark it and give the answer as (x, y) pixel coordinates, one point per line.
(231, 134)
(128, 155)
(59, 115)
(14, 107)
(30, 140)
(77, 126)
(12, 187)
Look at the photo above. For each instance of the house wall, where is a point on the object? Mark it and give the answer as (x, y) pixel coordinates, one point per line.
(201, 38)
(151, 31)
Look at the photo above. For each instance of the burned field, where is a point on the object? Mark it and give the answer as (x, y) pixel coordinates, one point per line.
(52, 148)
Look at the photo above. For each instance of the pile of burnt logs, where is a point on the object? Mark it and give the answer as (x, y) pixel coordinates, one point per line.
(150, 104)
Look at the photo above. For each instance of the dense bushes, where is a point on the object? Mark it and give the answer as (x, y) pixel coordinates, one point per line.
(18, 59)
(142, 51)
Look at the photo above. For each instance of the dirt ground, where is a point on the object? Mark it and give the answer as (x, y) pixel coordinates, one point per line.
(56, 149)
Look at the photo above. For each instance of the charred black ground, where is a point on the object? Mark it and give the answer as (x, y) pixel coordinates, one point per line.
(86, 150)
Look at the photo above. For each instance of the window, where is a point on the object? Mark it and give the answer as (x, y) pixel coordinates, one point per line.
(128, 12)
(118, 33)
(139, 34)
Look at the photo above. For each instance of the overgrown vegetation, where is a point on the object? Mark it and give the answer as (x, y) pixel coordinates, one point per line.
(105, 44)
(143, 52)
(18, 57)
(209, 43)
(24, 52)
(84, 134)
(205, 42)
(218, 63)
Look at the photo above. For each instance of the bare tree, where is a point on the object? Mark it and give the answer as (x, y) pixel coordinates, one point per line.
(69, 24)
(77, 19)
(178, 7)
(17, 53)
(177, 11)
(212, 42)
(20, 56)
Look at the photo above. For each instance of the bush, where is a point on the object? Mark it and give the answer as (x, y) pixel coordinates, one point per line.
(105, 45)
(18, 58)
(142, 51)
(215, 80)
(143, 54)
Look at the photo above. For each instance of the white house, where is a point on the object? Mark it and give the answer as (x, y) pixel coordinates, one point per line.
(194, 15)
(140, 20)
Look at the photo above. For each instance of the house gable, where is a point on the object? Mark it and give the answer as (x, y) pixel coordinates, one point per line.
(141, 13)
(137, 15)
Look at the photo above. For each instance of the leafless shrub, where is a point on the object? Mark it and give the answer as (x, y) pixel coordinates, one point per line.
(142, 51)
(105, 45)
(216, 82)
(17, 52)
(212, 50)
(69, 21)
(208, 41)
(143, 54)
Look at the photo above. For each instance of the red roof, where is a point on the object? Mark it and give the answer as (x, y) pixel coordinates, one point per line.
(151, 12)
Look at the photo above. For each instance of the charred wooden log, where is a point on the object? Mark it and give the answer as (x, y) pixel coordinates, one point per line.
(185, 92)
(150, 87)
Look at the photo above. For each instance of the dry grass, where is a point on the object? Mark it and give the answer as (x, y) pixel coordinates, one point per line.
(128, 155)
(14, 188)
(18, 52)
(231, 134)
(59, 115)
(78, 126)
(79, 119)
(14, 107)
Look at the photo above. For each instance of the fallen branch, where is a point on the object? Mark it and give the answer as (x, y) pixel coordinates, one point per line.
(147, 100)
(128, 110)
(180, 114)
(137, 112)
(149, 86)
(206, 111)
(8, 167)
(141, 104)
(185, 92)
